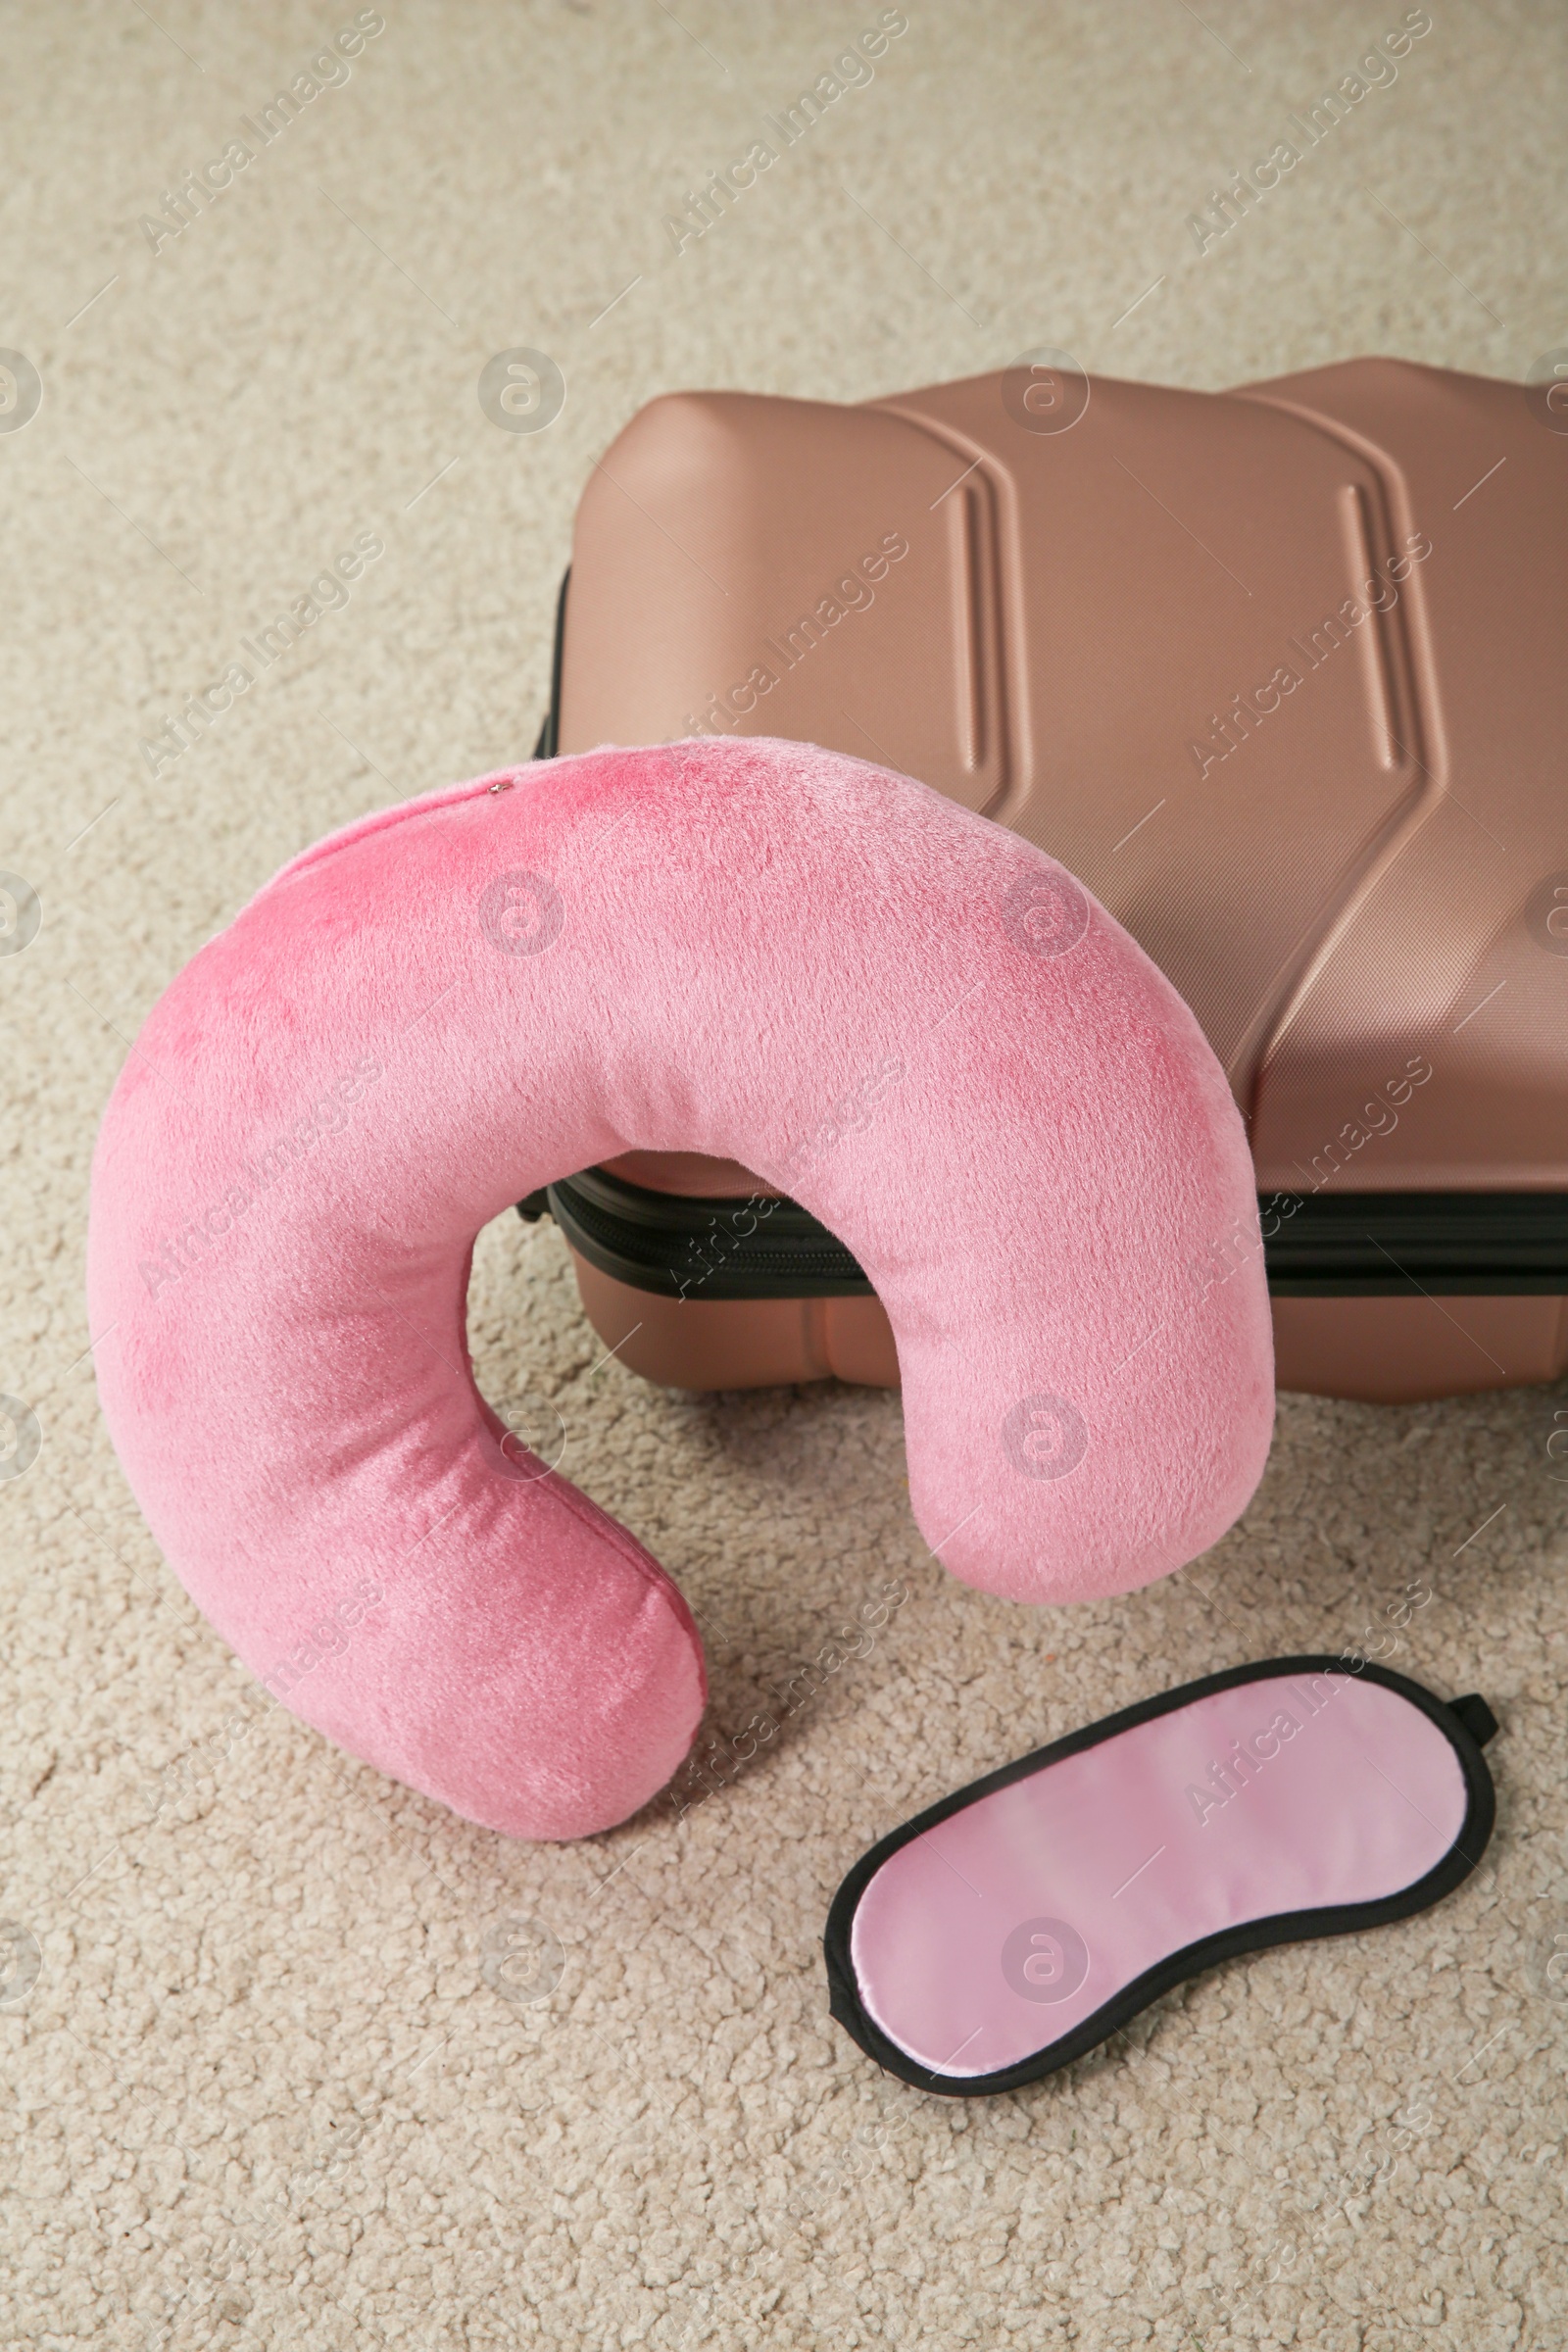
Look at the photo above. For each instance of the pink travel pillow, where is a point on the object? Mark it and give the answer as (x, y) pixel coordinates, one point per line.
(910, 1020)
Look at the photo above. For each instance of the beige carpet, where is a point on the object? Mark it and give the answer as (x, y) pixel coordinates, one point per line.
(272, 2084)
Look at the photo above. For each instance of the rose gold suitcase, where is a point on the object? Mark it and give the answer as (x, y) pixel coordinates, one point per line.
(1281, 673)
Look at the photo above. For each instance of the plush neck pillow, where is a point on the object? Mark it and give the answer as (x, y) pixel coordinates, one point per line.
(914, 1023)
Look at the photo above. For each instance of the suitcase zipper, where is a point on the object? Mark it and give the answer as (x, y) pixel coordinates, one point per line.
(1326, 1246)
(707, 1248)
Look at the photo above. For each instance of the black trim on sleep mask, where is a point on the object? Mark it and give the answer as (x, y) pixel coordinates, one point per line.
(1467, 1723)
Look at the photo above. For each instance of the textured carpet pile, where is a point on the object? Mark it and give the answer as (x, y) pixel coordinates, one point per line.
(292, 2057)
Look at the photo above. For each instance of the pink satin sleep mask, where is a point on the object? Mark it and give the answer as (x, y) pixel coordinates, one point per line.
(911, 1021)
(1011, 1928)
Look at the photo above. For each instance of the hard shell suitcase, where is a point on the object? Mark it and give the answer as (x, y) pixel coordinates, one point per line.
(1280, 673)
